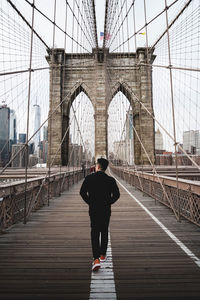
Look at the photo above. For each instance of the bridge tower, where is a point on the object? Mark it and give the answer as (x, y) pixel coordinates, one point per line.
(100, 75)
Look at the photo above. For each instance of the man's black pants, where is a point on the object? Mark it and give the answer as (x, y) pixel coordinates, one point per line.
(99, 226)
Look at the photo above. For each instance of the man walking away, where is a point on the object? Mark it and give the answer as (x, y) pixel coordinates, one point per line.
(99, 191)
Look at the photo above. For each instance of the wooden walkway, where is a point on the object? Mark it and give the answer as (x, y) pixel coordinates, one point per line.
(50, 256)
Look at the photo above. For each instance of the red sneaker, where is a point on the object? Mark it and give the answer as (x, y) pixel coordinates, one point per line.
(102, 258)
(96, 265)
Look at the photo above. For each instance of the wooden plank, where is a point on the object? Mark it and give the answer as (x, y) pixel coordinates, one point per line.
(147, 263)
(50, 256)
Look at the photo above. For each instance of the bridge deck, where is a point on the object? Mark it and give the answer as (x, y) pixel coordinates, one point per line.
(50, 257)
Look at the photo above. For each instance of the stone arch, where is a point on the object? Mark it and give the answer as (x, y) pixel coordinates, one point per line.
(81, 88)
(120, 87)
(66, 119)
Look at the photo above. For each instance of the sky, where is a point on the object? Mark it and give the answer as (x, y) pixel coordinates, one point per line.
(15, 55)
(45, 29)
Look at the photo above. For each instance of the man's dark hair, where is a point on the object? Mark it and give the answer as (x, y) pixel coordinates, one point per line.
(103, 163)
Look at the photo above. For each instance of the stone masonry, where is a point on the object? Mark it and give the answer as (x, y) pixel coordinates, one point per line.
(100, 76)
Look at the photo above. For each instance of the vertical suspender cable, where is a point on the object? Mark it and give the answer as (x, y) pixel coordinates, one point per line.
(80, 95)
(52, 93)
(73, 27)
(28, 111)
(149, 80)
(172, 102)
(73, 101)
(63, 83)
(134, 25)
(95, 23)
(105, 24)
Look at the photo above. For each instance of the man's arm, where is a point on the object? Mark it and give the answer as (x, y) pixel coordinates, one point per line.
(84, 191)
(115, 192)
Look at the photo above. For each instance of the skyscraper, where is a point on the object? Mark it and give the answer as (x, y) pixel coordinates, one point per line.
(22, 138)
(18, 161)
(4, 134)
(191, 141)
(36, 138)
(129, 125)
(158, 140)
(129, 138)
(45, 133)
(13, 127)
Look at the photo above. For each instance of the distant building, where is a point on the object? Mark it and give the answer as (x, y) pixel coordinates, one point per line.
(4, 134)
(13, 127)
(179, 150)
(31, 148)
(129, 125)
(76, 155)
(87, 157)
(87, 152)
(120, 150)
(188, 140)
(43, 151)
(13, 130)
(191, 141)
(170, 159)
(19, 160)
(45, 133)
(129, 139)
(36, 138)
(158, 140)
(22, 138)
(33, 160)
(43, 146)
(123, 150)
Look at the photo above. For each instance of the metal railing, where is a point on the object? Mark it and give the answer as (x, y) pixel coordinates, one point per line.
(39, 191)
(185, 201)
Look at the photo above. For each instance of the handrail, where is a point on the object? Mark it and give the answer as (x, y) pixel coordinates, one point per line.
(5, 189)
(170, 181)
(186, 201)
(13, 193)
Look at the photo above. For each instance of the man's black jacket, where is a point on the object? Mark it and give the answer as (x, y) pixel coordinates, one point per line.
(99, 191)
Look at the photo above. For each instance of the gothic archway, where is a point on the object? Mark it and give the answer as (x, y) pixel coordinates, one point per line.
(73, 128)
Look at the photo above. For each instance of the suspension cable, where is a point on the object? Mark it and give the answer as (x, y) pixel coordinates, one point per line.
(57, 26)
(24, 19)
(28, 112)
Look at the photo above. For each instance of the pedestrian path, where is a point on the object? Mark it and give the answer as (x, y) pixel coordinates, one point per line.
(50, 256)
(102, 285)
